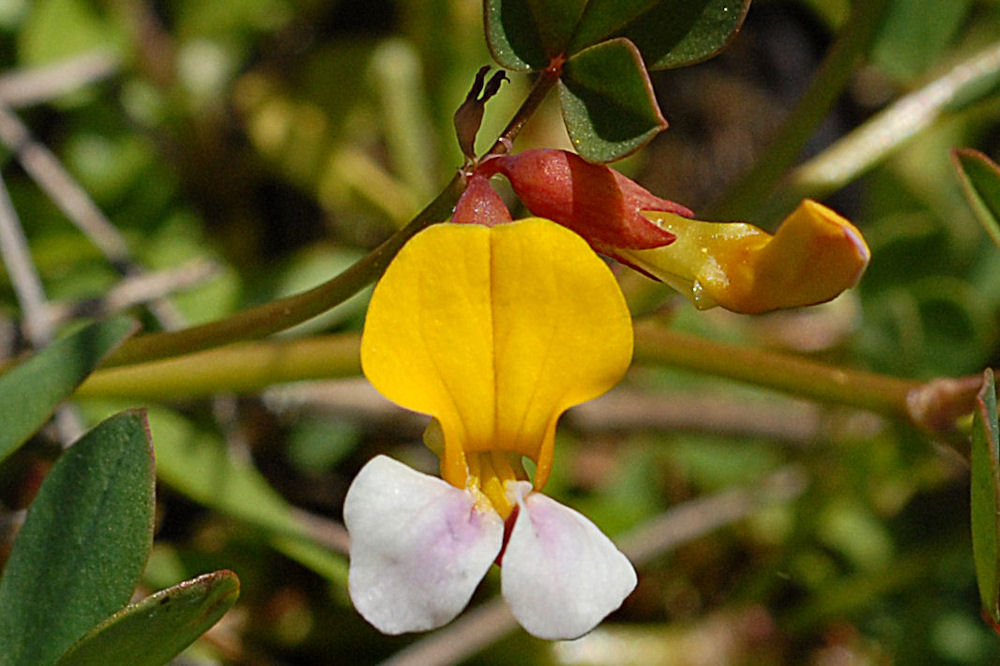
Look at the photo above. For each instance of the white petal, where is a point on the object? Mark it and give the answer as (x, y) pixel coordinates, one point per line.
(419, 547)
(561, 576)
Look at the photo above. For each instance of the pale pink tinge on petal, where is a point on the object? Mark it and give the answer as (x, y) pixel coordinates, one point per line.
(419, 547)
(561, 575)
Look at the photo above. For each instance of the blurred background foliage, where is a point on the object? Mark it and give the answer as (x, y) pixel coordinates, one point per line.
(281, 140)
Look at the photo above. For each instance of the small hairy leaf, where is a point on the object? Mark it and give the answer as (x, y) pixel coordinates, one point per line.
(83, 545)
(156, 629)
(668, 33)
(527, 34)
(608, 101)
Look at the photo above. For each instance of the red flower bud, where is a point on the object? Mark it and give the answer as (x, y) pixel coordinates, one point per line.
(480, 204)
(593, 200)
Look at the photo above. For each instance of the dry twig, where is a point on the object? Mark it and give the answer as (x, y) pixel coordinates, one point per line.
(31, 297)
(41, 84)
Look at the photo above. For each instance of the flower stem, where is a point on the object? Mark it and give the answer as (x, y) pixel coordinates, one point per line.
(286, 312)
(934, 407)
(798, 376)
(244, 367)
(248, 367)
(543, 84)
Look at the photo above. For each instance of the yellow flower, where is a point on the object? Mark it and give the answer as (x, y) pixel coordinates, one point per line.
(814, 256)
(495, 332)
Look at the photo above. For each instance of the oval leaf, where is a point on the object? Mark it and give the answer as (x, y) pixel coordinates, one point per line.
(607, 101)
(986, 497)
(527, 34)
(980, 178)
(30, 391)
(83, 545)
(668, 33)
(524, 35)
(157, 628)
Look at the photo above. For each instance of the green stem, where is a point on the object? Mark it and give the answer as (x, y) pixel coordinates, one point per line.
(744, 199)
(245, 367)
(250, 366)
(547, 78)
(798, 376)
(287, 312)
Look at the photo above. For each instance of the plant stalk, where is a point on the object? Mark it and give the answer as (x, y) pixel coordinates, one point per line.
(800, 377)
(286, 312)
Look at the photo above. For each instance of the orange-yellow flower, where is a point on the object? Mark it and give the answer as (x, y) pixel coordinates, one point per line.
(814, 256)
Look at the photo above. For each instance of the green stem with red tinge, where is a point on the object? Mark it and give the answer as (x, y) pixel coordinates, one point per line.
(286, 312)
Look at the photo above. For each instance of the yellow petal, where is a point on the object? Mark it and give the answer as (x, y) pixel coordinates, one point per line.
(814, 256)
(495, 332)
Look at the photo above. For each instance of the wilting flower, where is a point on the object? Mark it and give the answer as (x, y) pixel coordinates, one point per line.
(495, 332)
(814, 255)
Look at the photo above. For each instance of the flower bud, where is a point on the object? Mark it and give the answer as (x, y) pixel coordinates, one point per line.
(593, 200)
(480, 204)
(814, 256)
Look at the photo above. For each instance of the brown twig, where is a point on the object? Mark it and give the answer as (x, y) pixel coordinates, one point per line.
(547, 78)
(31, 297)
(42, 84)
(46, 170)
(135, 290)
(629, 410)
(23, 275)
(621, 410)
(324, 531)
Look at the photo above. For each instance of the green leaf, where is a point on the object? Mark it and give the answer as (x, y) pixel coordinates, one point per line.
(83, 545)
(668, 33)
(980, 178)
(156, 629)
(527, 34)
(608, 103)
(30, 391)
(986, 497)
